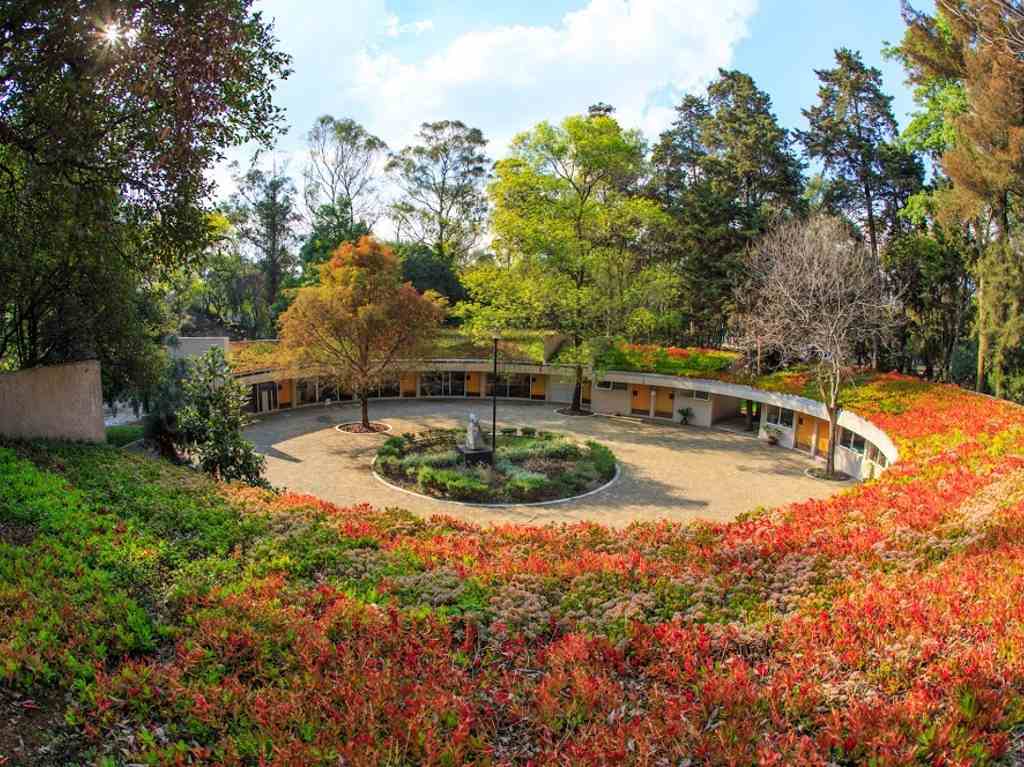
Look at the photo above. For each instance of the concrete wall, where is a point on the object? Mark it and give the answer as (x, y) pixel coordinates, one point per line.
(196, 346)
(703, 410)
(609, 401)
(55, 402)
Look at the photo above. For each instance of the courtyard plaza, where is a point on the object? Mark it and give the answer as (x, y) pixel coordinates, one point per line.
(670, 472)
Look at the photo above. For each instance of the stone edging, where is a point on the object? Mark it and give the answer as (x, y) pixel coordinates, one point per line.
(555, 502)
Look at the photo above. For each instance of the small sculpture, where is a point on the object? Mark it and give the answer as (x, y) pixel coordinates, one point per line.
(474, 437)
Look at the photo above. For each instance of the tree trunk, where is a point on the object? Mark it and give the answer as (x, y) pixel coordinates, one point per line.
(833, 436)
(577, 392)
(364, 405)
(982, 336)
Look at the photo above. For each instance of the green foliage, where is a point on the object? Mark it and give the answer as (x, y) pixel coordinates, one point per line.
(452, 484)
(603, 459)
(426, 270)
(119, 436)
(106, 148)
(211, 421)
(332, 227)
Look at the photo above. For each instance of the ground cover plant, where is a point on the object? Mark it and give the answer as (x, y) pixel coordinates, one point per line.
(667, 360)
(121, 435)
(169, 619)
(529, 467)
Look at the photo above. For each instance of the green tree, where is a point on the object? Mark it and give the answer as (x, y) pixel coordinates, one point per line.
(360, 321)
(847, 130)
(263, 212)
(442, 179)
(106, 139)
(723, 171)
(332, 226)
(933, 274)
(965, 64)
(422, 267)
(211, 419)
(569, 237)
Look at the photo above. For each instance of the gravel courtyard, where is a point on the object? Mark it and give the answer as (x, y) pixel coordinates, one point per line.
(666, 472)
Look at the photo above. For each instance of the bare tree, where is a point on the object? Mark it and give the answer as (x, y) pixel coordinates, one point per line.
(814, 294)
(345, 164)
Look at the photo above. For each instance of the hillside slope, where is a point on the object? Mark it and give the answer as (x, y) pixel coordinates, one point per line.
(194, 623)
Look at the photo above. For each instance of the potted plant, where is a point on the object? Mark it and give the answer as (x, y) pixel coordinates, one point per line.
(685, 413)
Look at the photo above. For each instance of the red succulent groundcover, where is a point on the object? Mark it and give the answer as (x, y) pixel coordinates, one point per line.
(883, 626)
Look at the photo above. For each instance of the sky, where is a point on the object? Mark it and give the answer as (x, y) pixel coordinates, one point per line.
(505, 66)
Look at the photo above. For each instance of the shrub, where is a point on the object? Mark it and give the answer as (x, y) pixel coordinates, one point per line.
(411, 464)
(508, 431)
(528, 431)
(603, 459)
(393, 447)
(526, 485)
(453, 484)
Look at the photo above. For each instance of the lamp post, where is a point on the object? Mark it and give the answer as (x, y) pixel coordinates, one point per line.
(494, 404)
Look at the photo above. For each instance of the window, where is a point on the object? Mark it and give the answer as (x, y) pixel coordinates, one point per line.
(391, 388)
(606, 385)
(612, 386)
(876, 456)
(852, 442)
(692, 394)
(779, 416)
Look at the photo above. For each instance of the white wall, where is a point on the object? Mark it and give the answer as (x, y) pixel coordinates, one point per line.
(609, 401)
(703, 410)
(196, 346)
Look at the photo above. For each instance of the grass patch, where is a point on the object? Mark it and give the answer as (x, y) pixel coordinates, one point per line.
(119, 436)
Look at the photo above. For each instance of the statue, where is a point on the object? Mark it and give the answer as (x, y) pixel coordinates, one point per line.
(474, 437)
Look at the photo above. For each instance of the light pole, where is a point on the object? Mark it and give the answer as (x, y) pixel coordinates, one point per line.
(494, 404)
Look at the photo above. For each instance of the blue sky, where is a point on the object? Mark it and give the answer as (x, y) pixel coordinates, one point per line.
(503, 66)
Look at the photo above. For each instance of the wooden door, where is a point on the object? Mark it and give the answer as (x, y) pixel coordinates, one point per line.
(641, 404)
(664, 402)
(822, 437)
(804, 431)
(537, 387)
(472, 384)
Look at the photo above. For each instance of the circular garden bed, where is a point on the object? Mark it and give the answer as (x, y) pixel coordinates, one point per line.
(356, 427)
(529, 466)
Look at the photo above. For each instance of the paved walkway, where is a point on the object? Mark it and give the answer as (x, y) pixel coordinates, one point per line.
(667, 472)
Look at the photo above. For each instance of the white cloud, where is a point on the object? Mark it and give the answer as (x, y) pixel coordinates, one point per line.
(392, 26)
(629, 53)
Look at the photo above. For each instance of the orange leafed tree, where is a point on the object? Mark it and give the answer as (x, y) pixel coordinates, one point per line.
(361, 320)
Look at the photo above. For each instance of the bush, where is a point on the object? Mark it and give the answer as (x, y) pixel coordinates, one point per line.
(528, 431)
(393, 447)
(453, 484)
(603, 459)
(508, 431)
(411, 464)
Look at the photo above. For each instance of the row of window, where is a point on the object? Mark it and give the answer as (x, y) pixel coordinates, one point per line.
(269, 396)
(678, 393)
(860, 446)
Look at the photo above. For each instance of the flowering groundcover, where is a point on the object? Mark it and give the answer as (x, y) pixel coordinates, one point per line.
(192, 622)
